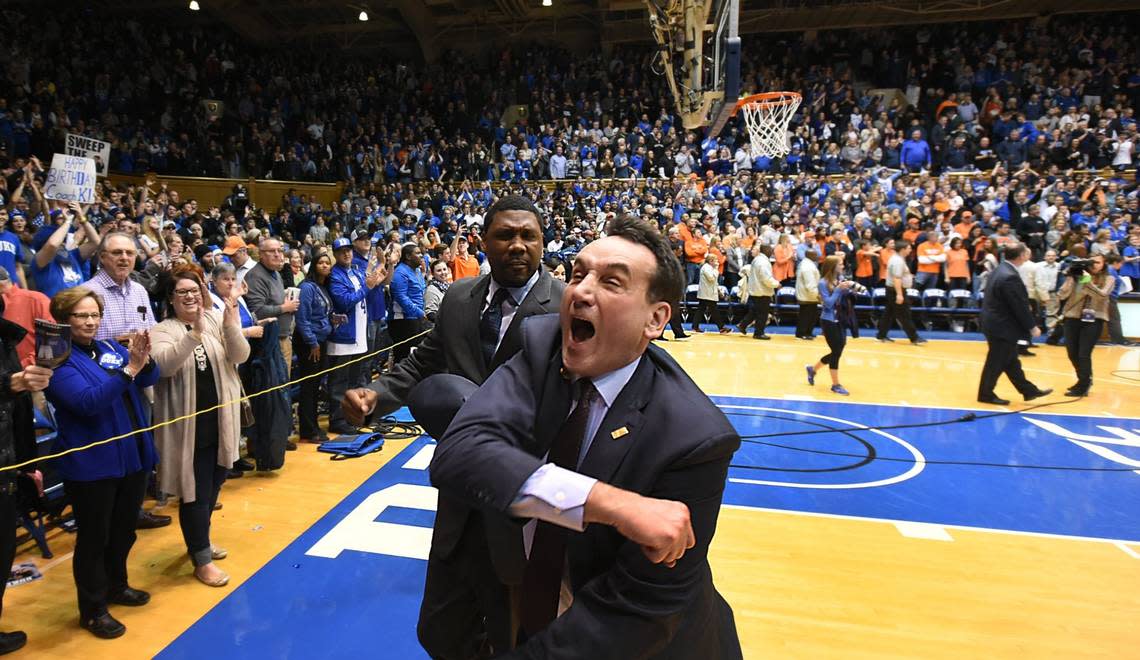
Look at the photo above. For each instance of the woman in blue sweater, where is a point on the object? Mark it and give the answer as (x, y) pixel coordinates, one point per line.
(831, 294)
(313, 327)
(98, 394)
(408, 287)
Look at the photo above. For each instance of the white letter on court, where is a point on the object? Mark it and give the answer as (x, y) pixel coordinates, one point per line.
(359, 530)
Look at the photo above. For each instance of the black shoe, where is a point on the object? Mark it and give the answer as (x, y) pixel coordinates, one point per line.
(343, 429)
(1053, 342)
(918, 342)
(243, 465)
(290, 445)
(217, 506)
(885, 340)
(104, 626)
(130, 597)
(148, 520)
(680, 336)
(1077, 391)
(12, 641)
(994, 400)
(1027, 353)
(764, 337)
(1039, 393)
(234, 474)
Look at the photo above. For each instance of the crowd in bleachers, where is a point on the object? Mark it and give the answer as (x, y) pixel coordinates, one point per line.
(989, 143)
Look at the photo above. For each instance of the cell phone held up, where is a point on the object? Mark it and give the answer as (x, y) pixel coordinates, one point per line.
(339, 319)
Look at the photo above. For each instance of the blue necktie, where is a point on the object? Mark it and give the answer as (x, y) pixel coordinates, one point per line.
(491, 323)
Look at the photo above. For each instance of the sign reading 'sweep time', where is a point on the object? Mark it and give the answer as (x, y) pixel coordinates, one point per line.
(77, 145)
(71, 179)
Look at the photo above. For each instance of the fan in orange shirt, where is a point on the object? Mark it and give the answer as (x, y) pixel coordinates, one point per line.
(958, 264)
(462, 264)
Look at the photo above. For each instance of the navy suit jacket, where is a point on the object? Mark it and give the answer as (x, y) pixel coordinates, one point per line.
(677, 445)
(1005, 306)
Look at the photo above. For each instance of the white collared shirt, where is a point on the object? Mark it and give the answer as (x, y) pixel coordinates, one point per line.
(518, 294)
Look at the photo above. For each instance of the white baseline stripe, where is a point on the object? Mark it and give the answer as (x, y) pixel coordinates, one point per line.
(926, 531)
(1128, 551)
(908, 405)
(1014, 532)
(422, 459)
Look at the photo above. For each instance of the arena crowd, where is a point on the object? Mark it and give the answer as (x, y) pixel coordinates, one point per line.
(999, 133)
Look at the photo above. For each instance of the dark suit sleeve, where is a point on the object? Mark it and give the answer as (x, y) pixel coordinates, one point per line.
(1016, 298)
(429, 358)
(634, 609)
(481, 459)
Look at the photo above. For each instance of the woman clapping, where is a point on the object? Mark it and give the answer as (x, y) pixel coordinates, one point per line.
(98, 394)
(198, 350)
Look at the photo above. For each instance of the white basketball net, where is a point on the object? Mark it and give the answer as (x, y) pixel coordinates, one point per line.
(767, 123)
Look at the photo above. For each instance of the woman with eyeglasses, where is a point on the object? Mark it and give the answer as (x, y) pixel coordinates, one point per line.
(198, 350)
(98, 394)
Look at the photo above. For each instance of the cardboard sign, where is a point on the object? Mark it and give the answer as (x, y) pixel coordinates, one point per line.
(100, 151)
(71, 179)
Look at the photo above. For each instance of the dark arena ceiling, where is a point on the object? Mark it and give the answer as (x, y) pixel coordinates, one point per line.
(426, 28)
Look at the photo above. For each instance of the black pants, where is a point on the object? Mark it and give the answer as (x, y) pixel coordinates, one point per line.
(960, 283)
(758, 310)
(836, 342)
(307, 426)
(1002, 358)
(106, 512)
(465, 612)
(1080, 338)
(7, 538)
(675, 320)
(401, 329)
(1115, 329)
(805, 320)
(708, 309)
(194, 517)
(900, 312)
(339, 381)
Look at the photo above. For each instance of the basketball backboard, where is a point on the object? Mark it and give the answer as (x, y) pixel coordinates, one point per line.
(699, 50)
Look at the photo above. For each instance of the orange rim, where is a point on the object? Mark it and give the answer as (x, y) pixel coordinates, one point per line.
(768, 99)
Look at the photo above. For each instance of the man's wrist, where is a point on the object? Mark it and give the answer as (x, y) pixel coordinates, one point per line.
(605, 503)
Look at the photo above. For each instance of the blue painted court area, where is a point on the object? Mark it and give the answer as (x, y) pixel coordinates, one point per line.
(350, 585)
(990, 473)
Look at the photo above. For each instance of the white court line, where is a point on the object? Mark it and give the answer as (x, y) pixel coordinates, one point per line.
(927, 531)
(852, 349)
(56, 561)
(892, 521)
(1128, 551)
(902, 405)
(422, 459)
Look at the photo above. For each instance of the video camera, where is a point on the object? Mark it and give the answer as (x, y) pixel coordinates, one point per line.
(1078, 267)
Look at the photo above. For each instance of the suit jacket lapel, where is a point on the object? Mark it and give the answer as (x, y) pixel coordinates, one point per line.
(468, 323)
(537, 301)
(554, 405)
(607, 451)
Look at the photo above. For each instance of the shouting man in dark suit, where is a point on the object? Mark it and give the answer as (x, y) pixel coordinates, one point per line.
(612, 457)
(1006, 319)
(477, 329)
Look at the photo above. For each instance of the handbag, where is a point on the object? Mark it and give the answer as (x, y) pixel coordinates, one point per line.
(246, 411)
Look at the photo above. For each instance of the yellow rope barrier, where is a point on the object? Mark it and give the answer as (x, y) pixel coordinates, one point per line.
(238, 400)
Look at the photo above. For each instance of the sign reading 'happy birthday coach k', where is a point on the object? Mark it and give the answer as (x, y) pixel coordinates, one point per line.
(71, 179)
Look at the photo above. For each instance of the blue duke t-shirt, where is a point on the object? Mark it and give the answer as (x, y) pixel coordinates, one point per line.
(11, 253)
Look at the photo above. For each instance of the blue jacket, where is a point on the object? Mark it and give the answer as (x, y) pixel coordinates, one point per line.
(408, 291)
(915, 153)
(828, 298)
(91, 405)
(377, 305)
(314, 316)
(345, 296)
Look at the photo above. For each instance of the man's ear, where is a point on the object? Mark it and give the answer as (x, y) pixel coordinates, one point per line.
(658, 319)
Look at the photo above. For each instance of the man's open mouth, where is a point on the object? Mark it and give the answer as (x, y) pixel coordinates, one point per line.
(581, 329)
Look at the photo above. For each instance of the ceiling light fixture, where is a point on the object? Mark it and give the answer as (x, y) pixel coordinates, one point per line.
(363, 15)
(194, 5)
(547, 3)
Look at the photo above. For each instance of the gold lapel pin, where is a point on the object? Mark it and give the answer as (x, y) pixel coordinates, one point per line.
(623, 431)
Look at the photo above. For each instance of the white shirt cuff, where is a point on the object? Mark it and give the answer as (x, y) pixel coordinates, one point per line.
(554, 494)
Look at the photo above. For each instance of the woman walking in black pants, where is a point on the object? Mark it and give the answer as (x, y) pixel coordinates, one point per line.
(831, 293)
(1086, 296)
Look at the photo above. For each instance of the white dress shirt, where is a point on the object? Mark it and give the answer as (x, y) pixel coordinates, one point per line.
(518, 294)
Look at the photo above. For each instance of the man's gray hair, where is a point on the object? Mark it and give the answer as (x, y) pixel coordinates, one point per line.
(111, 234)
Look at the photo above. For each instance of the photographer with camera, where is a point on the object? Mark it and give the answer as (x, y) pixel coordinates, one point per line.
(1086, 294)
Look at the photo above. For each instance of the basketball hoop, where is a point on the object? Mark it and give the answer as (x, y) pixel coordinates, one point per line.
(766, 116)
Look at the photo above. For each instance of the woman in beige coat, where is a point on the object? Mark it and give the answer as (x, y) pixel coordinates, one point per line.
(197, 349)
